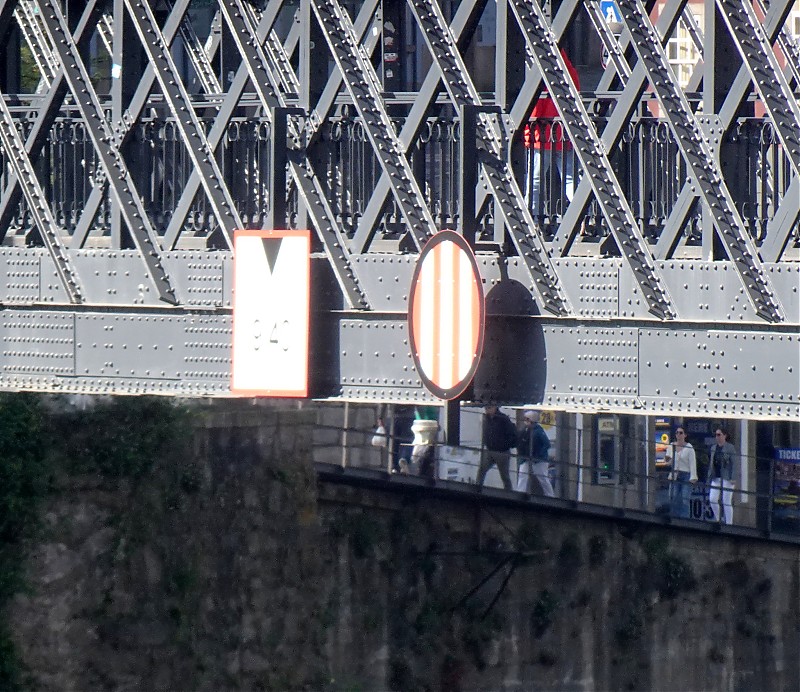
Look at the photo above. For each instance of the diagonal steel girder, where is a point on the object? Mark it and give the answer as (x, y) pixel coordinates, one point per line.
(701, 163)
(198, 57)
(367, 31)
(593, 158)
(615, 55)
(40, 128)
(274, 49)
(186, 119)
(467, 12)
(37, 204)
(520, 113)
(124, 128)
(114, 168)
(240, 21)
(508, 197)
(365, 90)
(32, 31)
(464, 16)
(779, 228)
(217, 131)
(781, 224)
(105, 30)
(786, 41)
(768, 78)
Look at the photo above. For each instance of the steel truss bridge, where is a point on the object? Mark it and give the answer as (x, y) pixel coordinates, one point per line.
(137, 136)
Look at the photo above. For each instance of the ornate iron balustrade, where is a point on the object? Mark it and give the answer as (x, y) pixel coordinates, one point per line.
(646, 160)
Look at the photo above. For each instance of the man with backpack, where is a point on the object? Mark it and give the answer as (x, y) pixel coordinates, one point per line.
(499, 436)
(533, 449)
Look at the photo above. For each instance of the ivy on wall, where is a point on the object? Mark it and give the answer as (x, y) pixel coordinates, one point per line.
(24, 481)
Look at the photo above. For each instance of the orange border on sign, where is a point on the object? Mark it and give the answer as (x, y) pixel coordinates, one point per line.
(261, 233)
(414, 326)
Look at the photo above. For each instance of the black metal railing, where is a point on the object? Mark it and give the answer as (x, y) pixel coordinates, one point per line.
(624, 486)
(646, 161)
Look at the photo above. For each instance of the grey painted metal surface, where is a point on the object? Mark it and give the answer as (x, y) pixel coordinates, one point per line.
(666, 281)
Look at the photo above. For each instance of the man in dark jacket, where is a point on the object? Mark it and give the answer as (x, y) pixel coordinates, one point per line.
(533, 448)
(499, 436)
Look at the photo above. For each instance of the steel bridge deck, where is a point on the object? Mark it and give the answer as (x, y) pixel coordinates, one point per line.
(135, 139)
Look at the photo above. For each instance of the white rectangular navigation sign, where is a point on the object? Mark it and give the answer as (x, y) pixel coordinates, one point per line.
(271, 284)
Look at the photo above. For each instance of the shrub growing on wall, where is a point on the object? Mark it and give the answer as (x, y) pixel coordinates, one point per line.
(24, 480)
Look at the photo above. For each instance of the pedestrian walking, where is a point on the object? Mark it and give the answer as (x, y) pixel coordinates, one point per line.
(499, 436)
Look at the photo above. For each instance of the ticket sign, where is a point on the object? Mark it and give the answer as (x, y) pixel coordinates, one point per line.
(271, 278)
(446, 315)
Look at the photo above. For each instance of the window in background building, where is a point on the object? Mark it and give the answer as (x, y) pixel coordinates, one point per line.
(794, 22)
(682, 53)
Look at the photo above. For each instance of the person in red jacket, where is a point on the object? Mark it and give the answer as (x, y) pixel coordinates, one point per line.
(550, 146)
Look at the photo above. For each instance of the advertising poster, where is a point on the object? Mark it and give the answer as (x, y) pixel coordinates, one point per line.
(786, 490)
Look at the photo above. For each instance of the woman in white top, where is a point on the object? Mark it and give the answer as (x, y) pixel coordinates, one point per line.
(684, 473)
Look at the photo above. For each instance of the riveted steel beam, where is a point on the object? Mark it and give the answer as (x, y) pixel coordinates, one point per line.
(508, 197)
(786, 217)
(365, 90)
(693, 30)
(198, 57)
(780, 226)
(768, 78)
(616, 58)
(112, 164)
(520, 114)
(590, 151)
(105, 29)
(700, 160)
(30, 26)
(194, 139)
(240, 20)
(785, 40)
(226, 110)
(123, 130)
(465, 17)
(367, 30)
(37, 204)
(46, 115)
(677, 11)
(278, 57)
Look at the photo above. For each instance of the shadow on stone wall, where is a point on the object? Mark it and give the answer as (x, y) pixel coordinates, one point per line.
(226, 565)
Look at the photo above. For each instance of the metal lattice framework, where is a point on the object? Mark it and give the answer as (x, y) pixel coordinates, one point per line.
(654, 267)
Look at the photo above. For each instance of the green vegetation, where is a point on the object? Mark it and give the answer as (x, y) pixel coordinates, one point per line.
(24, 481)
(544, 612)
(570, 558)
(123, 438)
(362, 530)
(29, 71)
(597, 551)
(528, 540)
(671, 574)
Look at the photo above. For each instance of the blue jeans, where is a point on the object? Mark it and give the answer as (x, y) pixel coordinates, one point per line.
(543, 160)
(680, 489)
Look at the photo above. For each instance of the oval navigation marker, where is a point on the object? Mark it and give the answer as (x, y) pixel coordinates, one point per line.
(446, 315)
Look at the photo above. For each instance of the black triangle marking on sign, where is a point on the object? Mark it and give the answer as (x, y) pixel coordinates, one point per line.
(272, 246)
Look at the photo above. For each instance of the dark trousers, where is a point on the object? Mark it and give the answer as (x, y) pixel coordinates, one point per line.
(491, 458)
